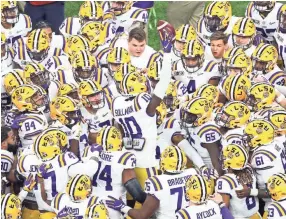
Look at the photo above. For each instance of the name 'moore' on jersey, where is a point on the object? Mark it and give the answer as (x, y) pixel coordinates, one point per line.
(140, 129)
(266, 26)
(170, 190)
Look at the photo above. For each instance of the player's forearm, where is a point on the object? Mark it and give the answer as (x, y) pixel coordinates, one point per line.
(260, 193)
(139, 214)
(225, 212)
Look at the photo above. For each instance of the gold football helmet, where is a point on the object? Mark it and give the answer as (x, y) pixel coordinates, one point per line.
(121, 7)
(184, 34)
(70, 90)
(116, 57)
(195, 112)
(264, 58)
(198, 189)
(226, 56)
(264, 6)
(12, 80)
(173, 160)
(9, 12)
(75, 44)
(85, 66)
(239, 64)
(38, 45)
(47, 145)
(282, 19)
(110, 138)
(171, 97)
(91, 94)
(133, 84)
(257, 133)
(276, 186)
(278, 119)
(61, 136)
(234, 157)
(123, 70)
(244, 27)
(4, 47)
(161, 113)
(209, 92)
(94, 32)
(154, 71)
(235, 87)
(79, 188)
(217, 15)
(10, 206)
(260, 95)
(96, 211)
(29, 97)
(35, 73)
(193, 56)
(65, 110)
(90, 11)
(234, 114)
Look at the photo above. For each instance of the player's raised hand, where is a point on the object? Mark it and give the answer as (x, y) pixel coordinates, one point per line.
(29, 183)
(117, 205)
(167, 35)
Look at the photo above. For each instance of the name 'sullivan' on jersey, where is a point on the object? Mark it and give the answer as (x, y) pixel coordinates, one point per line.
(123, 112)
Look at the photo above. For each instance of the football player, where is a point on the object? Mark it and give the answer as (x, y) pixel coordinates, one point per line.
(278, 119)
(14, 24)
(243, 34)
(264, 59)
(239, 64)
(7, 55)
(67, 116)
(135, 111)
(198, 191)
(37, 48)
(166, 192)
(200, 130)
(70, 90)
(193, 70)
(238, 175)
(217, 17)
(11, 206)
(280, 35)
(96, 211)
(128, 16)
(264, 15)
(268, 156)
(232, 118)
(96, 110)
(276, 186)
(76, 198)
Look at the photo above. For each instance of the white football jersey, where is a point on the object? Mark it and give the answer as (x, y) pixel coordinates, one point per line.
(7, 159)
(20, 29)
(232, 136)
(276, 76)
(170, 191)
(210, 210)
(59, 62)
(265, 26)
(125, 21)
(56, 178)
(277, 209)
(62, 202)
(205, 35)
(58, 41)
(280, 39)
(7, 61)
(267, 160)
(140, 129)
(29, 126)
(193, 80)
(103, 116)
(239, 207)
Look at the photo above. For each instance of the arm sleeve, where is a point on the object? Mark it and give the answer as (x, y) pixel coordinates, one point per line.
(226, 213)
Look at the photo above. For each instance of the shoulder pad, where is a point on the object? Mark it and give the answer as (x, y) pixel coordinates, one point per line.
(209, 133)
(262, 158)
(58, 52)
(200, 25)
(127, 159)
(140, 15)
(248, 12)
(210, 66)
(12, 52)
(183, 214)
(28, 21)
(20, 48)
(66, 26)
(154, 57)
(276, 210)
(278, 78)
(67, 159)
(93, 200)
(153, 184)
(175, 65)
(141, 101)
(170, 123)
(225, 184)
(21, 164)
(57, 199)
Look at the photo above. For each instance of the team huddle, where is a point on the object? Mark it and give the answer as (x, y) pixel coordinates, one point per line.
(101, 125)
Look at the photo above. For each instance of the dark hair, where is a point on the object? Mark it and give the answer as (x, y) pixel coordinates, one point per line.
(4, 133)
(138, 34)
(219, 35)
(43, 24)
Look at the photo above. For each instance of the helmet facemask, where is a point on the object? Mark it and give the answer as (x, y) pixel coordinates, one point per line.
(112, 68)
(243, 43)
(192, 64)
(39, 100)
(223, 119)
(282, 22)
(96, 100)
(178, 47)
(38, 56)
(118, 8)
(263, 6)
(213, 23)
(41, 79)
(10, 15)
(72, 117)
(259, 67)
(188, 119)
(81, 74)
(252, 102)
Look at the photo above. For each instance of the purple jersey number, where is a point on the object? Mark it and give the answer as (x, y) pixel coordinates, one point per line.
(180, 192)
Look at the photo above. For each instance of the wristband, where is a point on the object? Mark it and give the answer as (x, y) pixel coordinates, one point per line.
(280, 98)
(125, 210)
(221, 204)
(254, 192)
